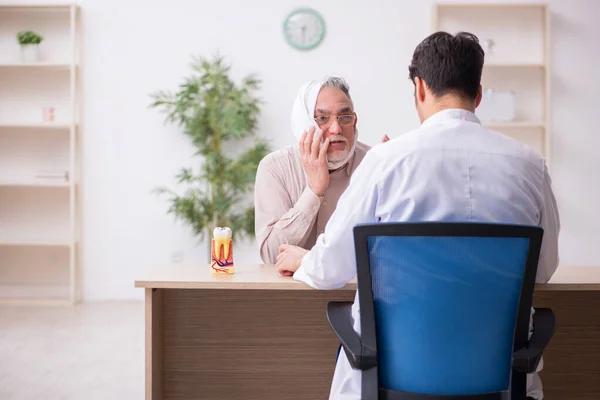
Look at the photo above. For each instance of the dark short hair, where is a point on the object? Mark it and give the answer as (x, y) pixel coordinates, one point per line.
(449, 64)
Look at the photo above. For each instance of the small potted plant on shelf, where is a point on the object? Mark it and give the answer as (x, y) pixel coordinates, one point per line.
(29, 42)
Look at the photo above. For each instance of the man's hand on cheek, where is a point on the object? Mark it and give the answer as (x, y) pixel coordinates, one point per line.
(313, 156)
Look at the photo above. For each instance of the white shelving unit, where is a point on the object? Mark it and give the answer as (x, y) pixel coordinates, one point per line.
(39, 160)
(519, 60)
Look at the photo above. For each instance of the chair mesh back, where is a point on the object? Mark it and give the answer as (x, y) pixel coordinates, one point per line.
(445, 311)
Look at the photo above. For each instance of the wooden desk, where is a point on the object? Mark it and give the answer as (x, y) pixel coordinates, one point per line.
(257, 335)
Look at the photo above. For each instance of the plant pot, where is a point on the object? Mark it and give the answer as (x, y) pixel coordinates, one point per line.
(30, 53)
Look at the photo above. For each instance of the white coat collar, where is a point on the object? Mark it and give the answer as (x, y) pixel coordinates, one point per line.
(450, 113)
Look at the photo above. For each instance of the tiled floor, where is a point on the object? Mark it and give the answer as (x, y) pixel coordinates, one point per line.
(92, 351)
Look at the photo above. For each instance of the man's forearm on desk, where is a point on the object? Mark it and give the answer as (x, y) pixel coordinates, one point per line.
(293, 227)
(269, 247)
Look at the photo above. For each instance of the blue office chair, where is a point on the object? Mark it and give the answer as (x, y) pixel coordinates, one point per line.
(444, 311)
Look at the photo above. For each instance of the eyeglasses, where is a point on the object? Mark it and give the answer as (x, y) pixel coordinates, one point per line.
(324, 120)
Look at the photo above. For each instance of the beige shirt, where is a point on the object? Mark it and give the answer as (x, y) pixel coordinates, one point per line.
(287, 211)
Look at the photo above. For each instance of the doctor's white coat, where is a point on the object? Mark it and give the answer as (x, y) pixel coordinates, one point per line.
(450, 169)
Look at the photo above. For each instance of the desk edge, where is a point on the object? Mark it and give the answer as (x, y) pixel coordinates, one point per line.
(300, 286)
(292, 285)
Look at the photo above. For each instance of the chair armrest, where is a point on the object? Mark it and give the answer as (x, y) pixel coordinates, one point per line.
(544, 324)
(339, 315)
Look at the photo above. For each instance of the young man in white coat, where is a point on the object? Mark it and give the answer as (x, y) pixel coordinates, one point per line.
(449, 169)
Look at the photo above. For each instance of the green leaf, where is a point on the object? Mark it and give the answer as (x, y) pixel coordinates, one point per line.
(216, 114)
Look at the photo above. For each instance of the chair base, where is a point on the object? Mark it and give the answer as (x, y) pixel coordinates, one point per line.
(393, 395)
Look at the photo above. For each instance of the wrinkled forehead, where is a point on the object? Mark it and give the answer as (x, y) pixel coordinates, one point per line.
(332, 101)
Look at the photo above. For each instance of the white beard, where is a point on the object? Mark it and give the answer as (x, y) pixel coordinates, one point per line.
(333, 165)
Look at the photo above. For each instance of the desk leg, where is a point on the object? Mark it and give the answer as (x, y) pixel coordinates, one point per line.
(154, 344)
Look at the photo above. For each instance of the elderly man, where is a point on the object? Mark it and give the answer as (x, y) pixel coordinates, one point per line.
(297, 188)
(449, 169)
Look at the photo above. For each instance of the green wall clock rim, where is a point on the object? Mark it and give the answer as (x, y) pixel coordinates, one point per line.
(317, 15)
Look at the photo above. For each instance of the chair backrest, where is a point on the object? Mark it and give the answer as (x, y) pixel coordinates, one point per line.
(443, 304)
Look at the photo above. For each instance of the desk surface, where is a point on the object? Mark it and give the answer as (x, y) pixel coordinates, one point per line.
(246, 276)
(265, 277)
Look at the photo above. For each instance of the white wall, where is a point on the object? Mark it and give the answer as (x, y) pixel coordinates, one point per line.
(133, 47)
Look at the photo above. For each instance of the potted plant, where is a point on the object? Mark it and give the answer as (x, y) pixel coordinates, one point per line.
(220, 117)
(29, 42)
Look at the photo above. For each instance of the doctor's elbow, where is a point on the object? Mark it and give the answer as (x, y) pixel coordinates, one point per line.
(325, 282)
(545, 273)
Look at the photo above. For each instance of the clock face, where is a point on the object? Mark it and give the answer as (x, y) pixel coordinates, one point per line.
(304, 29)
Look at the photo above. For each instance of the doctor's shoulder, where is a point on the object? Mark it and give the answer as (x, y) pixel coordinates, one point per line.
(515, 148)
(399, 144)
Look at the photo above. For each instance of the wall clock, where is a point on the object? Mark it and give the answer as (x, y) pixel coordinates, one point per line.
(304, 29)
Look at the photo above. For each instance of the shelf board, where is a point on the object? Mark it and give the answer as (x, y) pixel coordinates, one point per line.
(34, 243)
(513, 125)
(491, 5)
(34, 6)
(39, 294)
(48, 125)
(34, 301)
(53, 65)
(34, 184)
